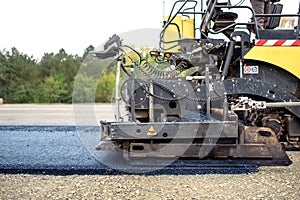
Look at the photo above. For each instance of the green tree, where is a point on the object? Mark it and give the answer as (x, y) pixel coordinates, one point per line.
(18, 76)
(24, 80)
(106, 87)
(87, 51)
(52, 90)
(66, 66)
(84, 89)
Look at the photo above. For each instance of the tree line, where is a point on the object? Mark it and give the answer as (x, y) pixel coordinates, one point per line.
(23, 79)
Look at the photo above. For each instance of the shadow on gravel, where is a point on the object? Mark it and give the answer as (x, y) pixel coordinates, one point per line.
(64, 172)
(108, 171)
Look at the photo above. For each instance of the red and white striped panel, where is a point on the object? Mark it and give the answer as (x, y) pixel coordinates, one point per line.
(277, 43)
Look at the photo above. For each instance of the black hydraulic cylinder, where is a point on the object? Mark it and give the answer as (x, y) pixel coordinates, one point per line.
(228, 59)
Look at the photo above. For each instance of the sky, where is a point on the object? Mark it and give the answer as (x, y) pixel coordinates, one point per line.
(36, 27)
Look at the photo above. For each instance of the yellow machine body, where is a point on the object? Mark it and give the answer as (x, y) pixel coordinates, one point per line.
(286, 57)
(186, 28)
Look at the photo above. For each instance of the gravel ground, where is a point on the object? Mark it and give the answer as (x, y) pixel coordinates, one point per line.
(267, 183)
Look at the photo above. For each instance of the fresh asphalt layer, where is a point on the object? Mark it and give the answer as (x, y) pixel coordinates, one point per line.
(60, 150)
(61, 139)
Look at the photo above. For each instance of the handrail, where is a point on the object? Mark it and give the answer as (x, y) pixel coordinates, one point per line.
(207, 17)
(231, 25)
(172, 17)
(298, 26)
(210, 5)
(277, 15)
(284, 15)
(215, 5)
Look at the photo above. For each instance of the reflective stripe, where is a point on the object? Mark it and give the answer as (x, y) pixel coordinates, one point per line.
(277, 43)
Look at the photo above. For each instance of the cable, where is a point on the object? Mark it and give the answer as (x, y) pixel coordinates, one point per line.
(152, 71)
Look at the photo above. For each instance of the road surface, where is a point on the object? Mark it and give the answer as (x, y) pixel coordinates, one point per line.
(62, 138)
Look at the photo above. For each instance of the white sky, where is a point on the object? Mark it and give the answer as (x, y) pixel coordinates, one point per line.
(38, 26)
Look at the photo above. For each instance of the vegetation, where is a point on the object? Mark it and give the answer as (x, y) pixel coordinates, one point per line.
(23, 79)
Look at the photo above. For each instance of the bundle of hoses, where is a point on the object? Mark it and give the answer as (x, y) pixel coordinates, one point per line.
(153, 71)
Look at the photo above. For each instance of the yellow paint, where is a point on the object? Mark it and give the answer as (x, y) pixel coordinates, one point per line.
(171, 34)
(288, 58)
(186, 28)
(151, 131)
